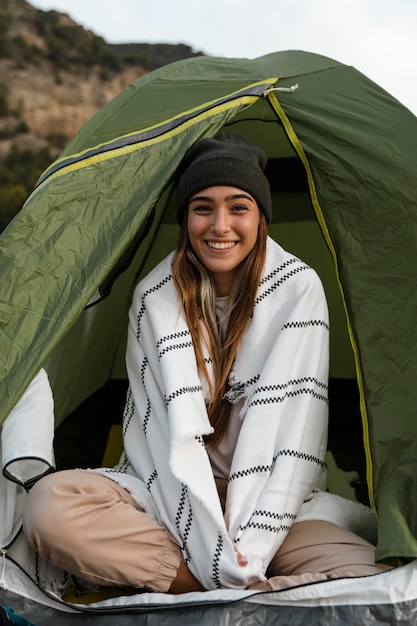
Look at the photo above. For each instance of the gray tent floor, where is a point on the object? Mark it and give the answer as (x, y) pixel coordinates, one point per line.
(241, 613)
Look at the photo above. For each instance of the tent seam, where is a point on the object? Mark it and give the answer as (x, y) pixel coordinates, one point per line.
(112, 154)
(323, 226)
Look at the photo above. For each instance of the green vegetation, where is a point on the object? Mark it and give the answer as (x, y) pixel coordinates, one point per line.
(4, 101)
(19, 171)
(67, 46)
(153, 55)
(17, 47)
(70, 45)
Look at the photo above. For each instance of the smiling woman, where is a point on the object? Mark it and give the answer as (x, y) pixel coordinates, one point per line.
(222, 225)
(223, 238)
(222, 482)
(223, 197)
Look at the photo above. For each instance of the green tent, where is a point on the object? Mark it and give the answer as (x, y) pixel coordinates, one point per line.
(342, 156)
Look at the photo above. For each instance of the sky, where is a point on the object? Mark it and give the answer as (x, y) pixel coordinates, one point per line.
(377, 37)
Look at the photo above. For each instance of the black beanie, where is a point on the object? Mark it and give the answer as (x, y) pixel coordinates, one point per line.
(228, 159)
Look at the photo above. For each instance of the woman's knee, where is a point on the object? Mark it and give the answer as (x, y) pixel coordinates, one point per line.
(321, 547)
(49, 507)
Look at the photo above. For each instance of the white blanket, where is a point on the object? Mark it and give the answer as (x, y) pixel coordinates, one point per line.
(278, 467)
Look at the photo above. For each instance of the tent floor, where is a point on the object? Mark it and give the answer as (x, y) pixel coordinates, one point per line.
(239, 613)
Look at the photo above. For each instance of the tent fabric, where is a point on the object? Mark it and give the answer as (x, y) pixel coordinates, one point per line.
(358, 147)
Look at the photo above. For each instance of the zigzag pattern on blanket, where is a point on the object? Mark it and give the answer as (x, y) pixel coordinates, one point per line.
(216, 559)
(301, 267)
(176, 346)
(151, 479)
(185, 530)
(147, 293)
(261, 524)
(288, 393)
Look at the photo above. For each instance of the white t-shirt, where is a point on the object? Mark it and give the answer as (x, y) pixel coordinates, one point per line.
(221, 457)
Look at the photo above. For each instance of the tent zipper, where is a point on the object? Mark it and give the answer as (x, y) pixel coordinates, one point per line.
(131, 141)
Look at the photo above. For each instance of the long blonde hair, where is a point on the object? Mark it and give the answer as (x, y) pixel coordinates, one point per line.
(197, 295)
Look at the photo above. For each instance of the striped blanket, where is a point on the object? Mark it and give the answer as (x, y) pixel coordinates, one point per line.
(278, 471)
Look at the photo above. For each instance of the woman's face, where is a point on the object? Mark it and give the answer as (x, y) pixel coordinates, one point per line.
(222, 226)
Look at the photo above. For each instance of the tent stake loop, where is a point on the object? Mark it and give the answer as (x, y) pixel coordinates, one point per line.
(288, 89)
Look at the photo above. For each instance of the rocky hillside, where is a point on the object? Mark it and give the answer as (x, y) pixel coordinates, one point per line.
(54, 75)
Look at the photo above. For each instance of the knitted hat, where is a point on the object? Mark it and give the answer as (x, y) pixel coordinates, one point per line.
(228, 159)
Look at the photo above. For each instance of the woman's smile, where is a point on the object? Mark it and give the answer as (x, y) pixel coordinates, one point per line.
(223, 226)
(221, 245)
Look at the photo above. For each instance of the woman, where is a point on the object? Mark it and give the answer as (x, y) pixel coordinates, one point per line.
(222, 479)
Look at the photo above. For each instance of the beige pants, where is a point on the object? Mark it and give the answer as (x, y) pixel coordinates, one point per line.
(89, 526)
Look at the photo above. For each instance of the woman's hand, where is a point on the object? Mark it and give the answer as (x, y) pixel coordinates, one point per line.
(242, 560)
